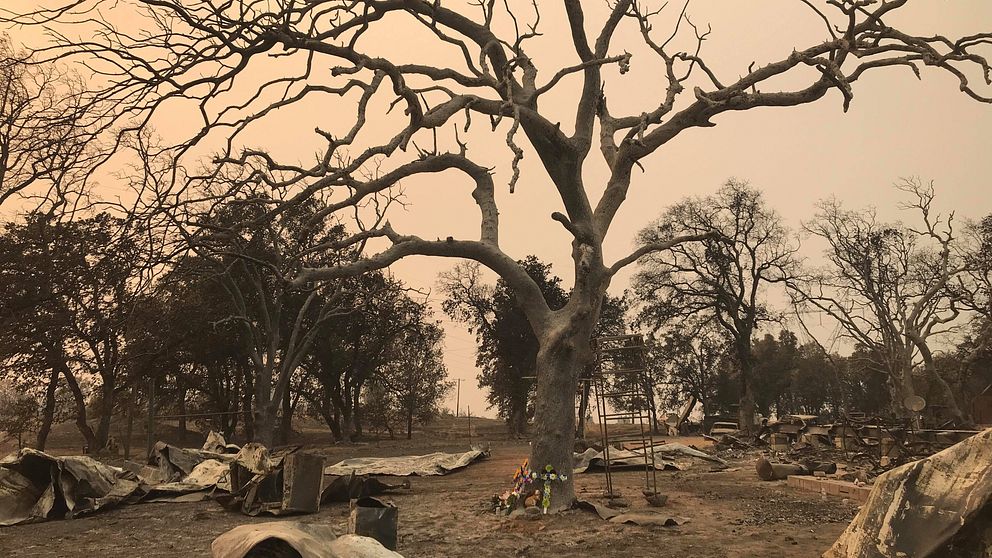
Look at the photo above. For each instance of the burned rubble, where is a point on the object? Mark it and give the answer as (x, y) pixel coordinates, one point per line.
(35, 486)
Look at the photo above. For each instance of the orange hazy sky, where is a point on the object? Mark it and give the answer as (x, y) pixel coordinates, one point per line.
(897, 126)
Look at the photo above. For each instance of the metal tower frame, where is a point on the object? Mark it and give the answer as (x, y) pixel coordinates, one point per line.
(623, 357)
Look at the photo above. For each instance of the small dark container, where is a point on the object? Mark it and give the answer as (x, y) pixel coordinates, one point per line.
(373, 518)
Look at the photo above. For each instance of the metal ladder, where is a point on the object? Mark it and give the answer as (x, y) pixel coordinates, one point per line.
(620, 382)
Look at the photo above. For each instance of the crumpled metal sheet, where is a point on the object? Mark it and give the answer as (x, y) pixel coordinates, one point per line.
(345, 489)
(309, 540)
(664, 458)
(649, 518)
(194, 487)
(205, 474)
(18, 497)
(923, 508)
(215, 443)
(635, 517)
(35, 486)
(255, 458)
(433, 464)
(284, 482)
(210, 473)
(675, 448)
(175, 463)
(619, 459)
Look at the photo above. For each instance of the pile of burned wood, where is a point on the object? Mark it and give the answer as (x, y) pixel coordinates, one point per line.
(869, 442)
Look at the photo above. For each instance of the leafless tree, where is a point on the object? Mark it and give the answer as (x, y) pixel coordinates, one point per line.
(279, 320)
(886, 285)
(972, 288)
(722, 281)
(205, 53)
(47, 140)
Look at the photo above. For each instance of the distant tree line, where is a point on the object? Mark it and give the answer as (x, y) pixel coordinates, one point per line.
(891, 292)
(235, 289)
(226, 75)
(101, 314)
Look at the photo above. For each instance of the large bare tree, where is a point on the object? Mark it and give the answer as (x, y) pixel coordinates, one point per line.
(971, 290)
(46, 138)
(722, 281)
(220, 57)
(887, 286)
(280, 321)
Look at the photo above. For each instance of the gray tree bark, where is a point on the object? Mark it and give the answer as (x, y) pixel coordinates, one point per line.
(48, 411)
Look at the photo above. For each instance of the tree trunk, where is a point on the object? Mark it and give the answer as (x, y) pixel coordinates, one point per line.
(586, 386)
(409, 425)
(182, 416)
(655, 428)
(356, 415)
(265, 408)
(949, 399)
(747, 405)
(558, 368)
(48, 412)
(130, 421)
(231, 422)
(247, 407)
(517, 421)
(334, 423)
(960, 417)
(348, 429)
(286, 423)
(329, 421)
(265, 425)
(902, 387)
(106, 412)
(80, 401)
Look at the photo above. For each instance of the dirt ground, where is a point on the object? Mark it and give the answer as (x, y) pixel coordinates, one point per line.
(731, 514)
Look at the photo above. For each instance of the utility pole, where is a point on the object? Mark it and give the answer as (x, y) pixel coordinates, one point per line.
(458, 396)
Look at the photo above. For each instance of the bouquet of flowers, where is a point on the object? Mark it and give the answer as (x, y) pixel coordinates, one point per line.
(549, 475)
(509, 499)
(522, 478)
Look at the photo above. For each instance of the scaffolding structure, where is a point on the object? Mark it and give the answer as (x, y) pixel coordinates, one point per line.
(623, 396)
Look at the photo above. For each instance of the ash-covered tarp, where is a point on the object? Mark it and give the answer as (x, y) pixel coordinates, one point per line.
(35, 486)
(665, 457)
(433, 464)
(276, 538)
(937, 506)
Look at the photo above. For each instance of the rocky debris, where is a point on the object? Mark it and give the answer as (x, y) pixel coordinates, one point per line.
(767, 510)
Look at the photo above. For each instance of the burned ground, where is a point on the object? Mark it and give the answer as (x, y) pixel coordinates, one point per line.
(731, 514)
